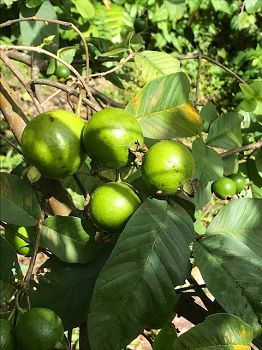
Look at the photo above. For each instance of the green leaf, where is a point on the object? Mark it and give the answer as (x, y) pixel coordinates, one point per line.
(18, 203)
(209, 164)
(217, 332)
(162, 110)
(258, 158)
(165, 338)
(253, 6)
(33, 3)
(221, 5)
(67, 53)
(150, 258)
(153, 64)
(230, 164)
(208, 114)
(202, 195)
(34, 32)
(66, 288)
(230, 259)
(9, 270)
(246, 89)
(85, 8)
(225, 131)
(70, 239)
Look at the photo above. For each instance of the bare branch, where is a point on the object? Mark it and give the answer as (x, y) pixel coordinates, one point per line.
(120, 65)
(68, 89)
(20, 77)
(45, 52)
(56, 21)
(251, 146)
(212, 60)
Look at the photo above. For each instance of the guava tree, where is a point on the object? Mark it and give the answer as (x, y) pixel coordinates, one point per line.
(126, 202)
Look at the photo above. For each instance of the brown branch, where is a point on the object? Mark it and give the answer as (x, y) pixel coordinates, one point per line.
(45, 52)
(68, 89)
(251, 146)
(24, 58)
(120, 65)
(11, 111)
(33, 258)
(55, 21)
(212, 60)
(20, 77)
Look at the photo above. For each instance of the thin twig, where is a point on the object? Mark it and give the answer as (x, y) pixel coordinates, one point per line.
(45, 52)
(120, 65)
(147, 338)
(33, 258)
(55, 21)
(68, 89)
(11, 144)
(50, 97)
(198, 80)
(20, 77)
(212, 60)
(80, 185)
(251, 146)
(26, 59)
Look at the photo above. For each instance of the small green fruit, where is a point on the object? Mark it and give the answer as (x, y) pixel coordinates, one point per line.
(224, 188)
(239, 181)
(21, 246)
(110, 136)
(62, 71)
(112, 204)
(166, 166)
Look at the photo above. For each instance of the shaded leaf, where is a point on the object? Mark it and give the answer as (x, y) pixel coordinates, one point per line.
(225, 131)
(18, 203)
(165, 338)
(208, 163)
(230, 164)
(202, 195)
(9, 270)
(70, 239)
(66, 288)
(153, 64)
(162, 110)
(151, 255)
(208, 114)
(217, 332)
(230, 259)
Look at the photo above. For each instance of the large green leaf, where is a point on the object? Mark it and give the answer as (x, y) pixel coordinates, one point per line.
(209, 164)
(162, 110)
(230, 259)
(66, 288)
(153, 64)
(71, 239)
(85, 8)
(253, 6)
(225, 131)
(18, 203)
(217, 332)
(34, 32)
(9, 270)
(135, 289)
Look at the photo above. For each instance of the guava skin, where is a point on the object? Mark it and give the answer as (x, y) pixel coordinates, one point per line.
(239, 181)
(21, 246)
(109, 135)
(166, 166)
(52, 143)
(39, 328)
(7, 337)
(224, 188)
(112, 204)
(62, 71)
